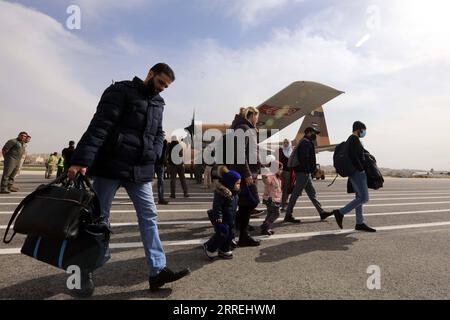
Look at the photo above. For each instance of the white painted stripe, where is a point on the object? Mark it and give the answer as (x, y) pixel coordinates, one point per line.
(334, 193)
(314, 217)
(131, 245)
(300, 201)
(263, 208)
(322, 195)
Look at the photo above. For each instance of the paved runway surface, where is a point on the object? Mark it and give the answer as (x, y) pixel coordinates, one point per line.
(313, 260)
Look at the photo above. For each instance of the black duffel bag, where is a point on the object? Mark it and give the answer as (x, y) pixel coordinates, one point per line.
(55, 210)
(89, 251)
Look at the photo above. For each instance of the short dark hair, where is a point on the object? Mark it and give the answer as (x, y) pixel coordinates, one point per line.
(23, 132)
(163, 68)
(358, 125)
(71, 143)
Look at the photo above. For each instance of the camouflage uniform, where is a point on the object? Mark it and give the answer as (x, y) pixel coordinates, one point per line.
(13, 152)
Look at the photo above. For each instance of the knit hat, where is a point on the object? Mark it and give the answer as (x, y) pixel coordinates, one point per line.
(358, 125)
(230, 178)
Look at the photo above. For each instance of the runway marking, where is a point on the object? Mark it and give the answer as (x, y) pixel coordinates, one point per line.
(132, 245)
(328, 194)
(314, 217)
(263, 208)
(300, 201)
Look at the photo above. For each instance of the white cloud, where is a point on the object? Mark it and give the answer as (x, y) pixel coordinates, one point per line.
(251, 12)
(39, 89)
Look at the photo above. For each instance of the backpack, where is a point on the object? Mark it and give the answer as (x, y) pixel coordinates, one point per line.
(293, 161)
(342, 162)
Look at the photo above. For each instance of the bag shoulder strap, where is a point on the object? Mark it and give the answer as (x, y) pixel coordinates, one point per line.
(14, 217)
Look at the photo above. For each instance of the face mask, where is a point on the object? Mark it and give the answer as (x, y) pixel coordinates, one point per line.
(362, 134)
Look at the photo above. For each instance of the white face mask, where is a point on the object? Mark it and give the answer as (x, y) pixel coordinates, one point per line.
(362, 134)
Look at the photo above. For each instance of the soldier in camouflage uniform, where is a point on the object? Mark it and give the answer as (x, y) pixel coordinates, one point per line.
(12, 152)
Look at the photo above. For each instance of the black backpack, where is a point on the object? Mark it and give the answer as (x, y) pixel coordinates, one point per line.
(342, 162)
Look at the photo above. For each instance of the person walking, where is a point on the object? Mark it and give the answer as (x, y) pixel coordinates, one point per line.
(67, 154)
(283, 155)
(246, 121)
(306, 156)
(358, 179)
(176, 167)
(272, 196)
(159, 169)
(223, 215)
(12, 153)
(120, 148)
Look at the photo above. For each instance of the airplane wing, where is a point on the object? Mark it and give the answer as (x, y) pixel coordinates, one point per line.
(293, 102)
(329, 148)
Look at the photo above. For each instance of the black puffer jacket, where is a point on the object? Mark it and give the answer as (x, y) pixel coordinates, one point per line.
(248, 168)
(125, 137)
(306, 154)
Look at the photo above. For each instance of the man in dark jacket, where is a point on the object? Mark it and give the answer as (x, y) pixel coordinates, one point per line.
(306, 155)
(357, 179)
(120, 148)
(159, 170)
(176, 167)
(67, 153)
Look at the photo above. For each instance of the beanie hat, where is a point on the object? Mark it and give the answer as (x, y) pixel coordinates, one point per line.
(230, 178)
(358, 125)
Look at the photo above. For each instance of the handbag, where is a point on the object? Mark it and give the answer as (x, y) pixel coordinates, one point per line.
(89, 251)
(55, 210)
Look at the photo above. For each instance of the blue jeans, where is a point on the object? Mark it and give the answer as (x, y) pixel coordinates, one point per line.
(159, 169)
(359, 183)
(141, 195)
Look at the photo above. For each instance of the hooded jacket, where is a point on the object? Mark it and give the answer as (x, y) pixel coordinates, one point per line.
(224, 205)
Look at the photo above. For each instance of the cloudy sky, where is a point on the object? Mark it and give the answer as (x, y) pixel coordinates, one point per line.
(392, 58)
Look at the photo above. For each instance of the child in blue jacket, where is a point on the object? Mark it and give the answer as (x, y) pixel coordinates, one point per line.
(223, 215)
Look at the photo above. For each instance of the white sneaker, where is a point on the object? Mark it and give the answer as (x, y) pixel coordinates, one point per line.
(210, 255)
(226, 255)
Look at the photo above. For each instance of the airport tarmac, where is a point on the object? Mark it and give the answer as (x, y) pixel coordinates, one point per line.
(313, 260)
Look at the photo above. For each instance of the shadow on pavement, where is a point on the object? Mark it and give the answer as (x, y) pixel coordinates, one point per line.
(296, 248)
(123, 274)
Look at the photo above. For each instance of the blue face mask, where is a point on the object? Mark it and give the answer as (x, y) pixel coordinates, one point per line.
(362, 134)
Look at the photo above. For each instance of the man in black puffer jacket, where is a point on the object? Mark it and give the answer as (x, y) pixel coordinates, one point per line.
(306, 155)
(120, 148)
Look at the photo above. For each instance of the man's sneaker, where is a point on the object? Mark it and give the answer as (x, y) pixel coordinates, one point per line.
(339, 218)
(166, 276)
(324, 215)
(234, 244)
(163, 202)
(14, 189)
(87, 286)
(186, 195)
(364, 227)
(5, 191)
(248, 241)
(291, 219)
(226, 255)
(210, 255)
(172, 196)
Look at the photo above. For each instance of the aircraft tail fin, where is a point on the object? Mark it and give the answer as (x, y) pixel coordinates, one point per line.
(315, 119)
